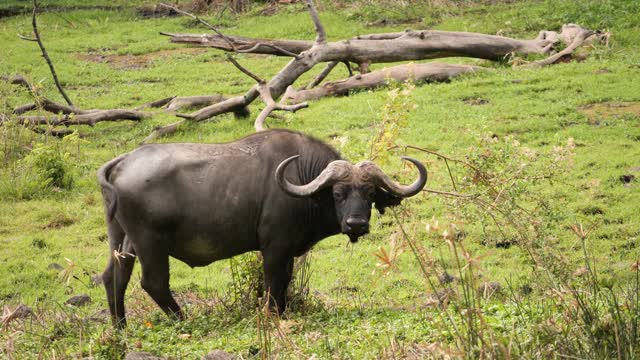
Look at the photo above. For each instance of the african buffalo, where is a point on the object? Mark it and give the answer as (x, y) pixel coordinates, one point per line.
(276, 191)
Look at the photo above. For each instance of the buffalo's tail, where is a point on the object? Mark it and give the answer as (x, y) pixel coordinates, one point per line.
(108, 190)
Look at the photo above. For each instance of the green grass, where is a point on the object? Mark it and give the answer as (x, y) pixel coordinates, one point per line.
(361, 313)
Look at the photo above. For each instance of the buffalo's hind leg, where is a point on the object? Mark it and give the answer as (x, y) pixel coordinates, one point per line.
(154, 260)
(118, 272)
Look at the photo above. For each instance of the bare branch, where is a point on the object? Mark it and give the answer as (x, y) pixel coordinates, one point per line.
(22, 37)
(447, 193)
(200, 21)
(244, 44)
(156, 104)
(318, 79)
(90, 118)
(578, 40)
(275, 47)
(321, 35)
(424, 72)
(24, 108)
(244, 70)
(225, 106)
(46, 56)
(265, 94)
(348, 65)
(163, 131)
(53, 132)
(20, 80)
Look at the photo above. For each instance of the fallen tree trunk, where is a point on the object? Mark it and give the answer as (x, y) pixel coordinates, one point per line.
(427, 72)
(257, 46)
(90, 118)
(393, 47)
(183, 102)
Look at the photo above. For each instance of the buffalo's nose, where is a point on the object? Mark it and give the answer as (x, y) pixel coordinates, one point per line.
(358, 225)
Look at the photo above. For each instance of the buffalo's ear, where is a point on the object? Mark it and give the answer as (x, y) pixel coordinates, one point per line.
(383, 199)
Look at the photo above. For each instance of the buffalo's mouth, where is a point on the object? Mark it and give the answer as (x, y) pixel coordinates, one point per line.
(354, 237)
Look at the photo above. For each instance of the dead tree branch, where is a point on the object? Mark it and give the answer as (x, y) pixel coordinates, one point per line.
(66, 115)
(265, 94)
(200, 21)
(244, 70)
(45, 55)
(321, 35)
(392, 47)
(289, 48)
(574, 40)
(20, 80)
(53, 132)
(318, 79)
(90, 118)
(156, 104)
(427, 72)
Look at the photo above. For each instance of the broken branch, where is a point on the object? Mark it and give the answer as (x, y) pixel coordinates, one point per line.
(90, 118)
(200, 21)
(46, 56)
(428, 72)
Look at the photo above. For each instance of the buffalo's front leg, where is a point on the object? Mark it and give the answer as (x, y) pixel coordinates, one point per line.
(278, 269)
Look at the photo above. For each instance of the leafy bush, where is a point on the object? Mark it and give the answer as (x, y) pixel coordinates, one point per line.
(48, 167)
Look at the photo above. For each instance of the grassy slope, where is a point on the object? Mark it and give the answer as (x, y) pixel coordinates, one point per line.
(540, 111)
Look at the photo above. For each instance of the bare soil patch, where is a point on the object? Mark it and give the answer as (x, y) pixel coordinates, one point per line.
(610, 110)
(132, 62)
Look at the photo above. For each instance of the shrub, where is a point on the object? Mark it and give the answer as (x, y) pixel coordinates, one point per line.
(48, 167)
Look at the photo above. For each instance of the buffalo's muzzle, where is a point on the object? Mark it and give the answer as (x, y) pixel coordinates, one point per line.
(357, 226)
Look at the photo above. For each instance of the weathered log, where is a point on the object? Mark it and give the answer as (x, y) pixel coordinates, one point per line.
(83, 119)
(393, 47)
(323, 74)
(202, 101)
(182, 102)
(427, 72)
(156, 104)
(257, 46)
(53, 132)
(572, 35)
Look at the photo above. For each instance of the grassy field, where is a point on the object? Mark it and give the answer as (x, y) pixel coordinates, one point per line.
(561, 143)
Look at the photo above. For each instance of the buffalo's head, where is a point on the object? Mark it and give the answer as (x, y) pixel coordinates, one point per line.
(355, 188)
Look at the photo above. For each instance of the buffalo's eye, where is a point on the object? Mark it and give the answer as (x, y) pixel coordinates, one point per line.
(369, 193)
(337, 195)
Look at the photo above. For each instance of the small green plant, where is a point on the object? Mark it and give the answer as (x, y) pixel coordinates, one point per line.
(247, 279)
(395, 117)
(38, 243)
(47, 167)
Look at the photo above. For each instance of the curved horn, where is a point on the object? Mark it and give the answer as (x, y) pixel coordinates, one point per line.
(336, 170)
(393, 187)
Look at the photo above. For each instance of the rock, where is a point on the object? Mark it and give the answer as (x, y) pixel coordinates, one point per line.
(625, 179)
(55, 266)
(137, 355)
(446, 278)
(97, 279)
(441, 297)
(20, 312)
(526, 289)
(581, 271)
(219, 355)
(79, 300)
(488, 288)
